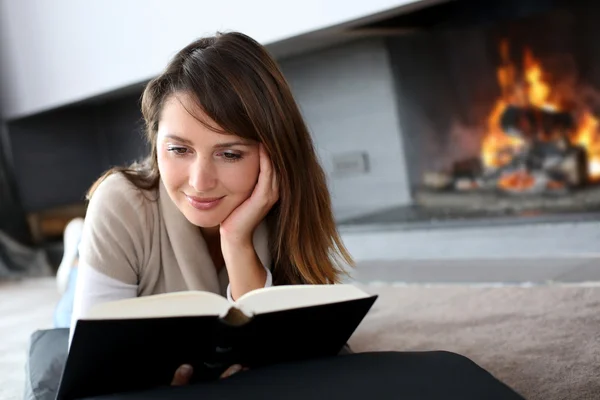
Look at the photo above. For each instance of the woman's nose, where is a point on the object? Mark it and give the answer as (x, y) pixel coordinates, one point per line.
(203, 176)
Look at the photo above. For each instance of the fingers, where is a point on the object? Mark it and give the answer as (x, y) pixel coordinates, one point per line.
(231, 370)
(274, 186)
(267, 179)
(182, 375)
(266, 168)
(264, 159)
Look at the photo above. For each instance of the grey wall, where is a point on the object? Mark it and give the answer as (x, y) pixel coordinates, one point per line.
(121, 130)
(12, 217)
(440, 97)
(58, 155)
(55, 156)
(346, 94)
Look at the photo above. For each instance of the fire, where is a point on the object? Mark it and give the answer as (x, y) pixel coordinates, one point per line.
(588, 137)
(533, 89)
(519, 180)
(497, 147)
(538, 92)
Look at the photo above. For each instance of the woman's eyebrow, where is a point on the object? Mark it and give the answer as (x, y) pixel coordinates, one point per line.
(178, 138)
(231, 144)
(216, 146)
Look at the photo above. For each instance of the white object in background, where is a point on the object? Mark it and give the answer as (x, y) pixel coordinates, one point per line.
(71, 237)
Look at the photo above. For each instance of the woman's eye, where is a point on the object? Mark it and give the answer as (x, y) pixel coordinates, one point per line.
(180, 151)
(229, 156)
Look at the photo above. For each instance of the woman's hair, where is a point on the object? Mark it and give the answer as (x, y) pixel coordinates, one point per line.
(236, 83)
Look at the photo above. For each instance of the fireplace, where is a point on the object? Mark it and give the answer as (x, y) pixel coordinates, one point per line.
(499, 110)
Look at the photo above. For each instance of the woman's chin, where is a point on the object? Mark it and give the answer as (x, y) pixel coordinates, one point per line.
(203, 219)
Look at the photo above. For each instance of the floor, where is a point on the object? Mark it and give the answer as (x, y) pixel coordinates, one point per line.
(448, 261)
(482, 271)
(25, 306)
(415, 216)
(562, 247)
(540, 340)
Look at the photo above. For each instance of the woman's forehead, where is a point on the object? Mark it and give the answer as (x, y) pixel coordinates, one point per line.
(182, 119)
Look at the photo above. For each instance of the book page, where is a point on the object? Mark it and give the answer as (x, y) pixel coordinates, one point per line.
(178, 304)
(278, 298)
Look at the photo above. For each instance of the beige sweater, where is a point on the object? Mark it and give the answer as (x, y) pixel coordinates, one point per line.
(141, 238)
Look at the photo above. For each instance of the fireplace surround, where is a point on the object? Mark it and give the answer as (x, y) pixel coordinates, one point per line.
(499, 108)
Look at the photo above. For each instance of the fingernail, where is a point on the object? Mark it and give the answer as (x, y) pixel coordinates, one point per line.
(185, 370)
(234, 369)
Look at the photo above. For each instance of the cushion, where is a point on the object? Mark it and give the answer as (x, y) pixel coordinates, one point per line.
(48, 350)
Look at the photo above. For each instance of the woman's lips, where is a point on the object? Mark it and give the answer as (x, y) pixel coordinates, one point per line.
(204, 203)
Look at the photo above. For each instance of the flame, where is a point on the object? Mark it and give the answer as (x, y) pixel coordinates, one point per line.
(588, 137)
(538, 91)
(498, 147)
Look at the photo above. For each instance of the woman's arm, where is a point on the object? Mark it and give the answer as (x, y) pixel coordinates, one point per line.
(245, 270)
(112, 246)
(94, 288)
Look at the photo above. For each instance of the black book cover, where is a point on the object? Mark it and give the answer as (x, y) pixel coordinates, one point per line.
(113, 356)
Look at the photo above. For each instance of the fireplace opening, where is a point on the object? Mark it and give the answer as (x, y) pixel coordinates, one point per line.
(501, 118)
(540, 137)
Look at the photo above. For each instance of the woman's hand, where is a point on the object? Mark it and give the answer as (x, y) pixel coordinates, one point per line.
(237, 229)
(184, 374)
(244, 267)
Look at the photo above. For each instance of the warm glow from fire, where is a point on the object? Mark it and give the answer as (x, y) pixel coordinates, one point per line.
(498, 147)
(538, 91)
(588, 137)
(519, 180)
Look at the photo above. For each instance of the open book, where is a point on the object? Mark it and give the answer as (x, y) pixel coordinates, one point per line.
(137, 344)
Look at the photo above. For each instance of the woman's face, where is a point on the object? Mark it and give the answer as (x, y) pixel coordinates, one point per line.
(206, 174)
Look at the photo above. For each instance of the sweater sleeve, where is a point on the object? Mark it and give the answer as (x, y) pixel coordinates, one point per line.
(93, 288)
(116, 230)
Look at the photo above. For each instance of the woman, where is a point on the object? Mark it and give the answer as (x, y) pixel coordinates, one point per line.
(231, 198)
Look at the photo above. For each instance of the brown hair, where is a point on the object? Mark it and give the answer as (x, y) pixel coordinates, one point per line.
(235, 82)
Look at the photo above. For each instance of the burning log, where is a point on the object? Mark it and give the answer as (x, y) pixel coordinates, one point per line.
(573, 168)
(518, 181)
(469, 168)
(531, 145)
(463, 176)
(465, 184)
(466, 174)
(545, 162)
(533, 123)
(538, 167)
(437, 180)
